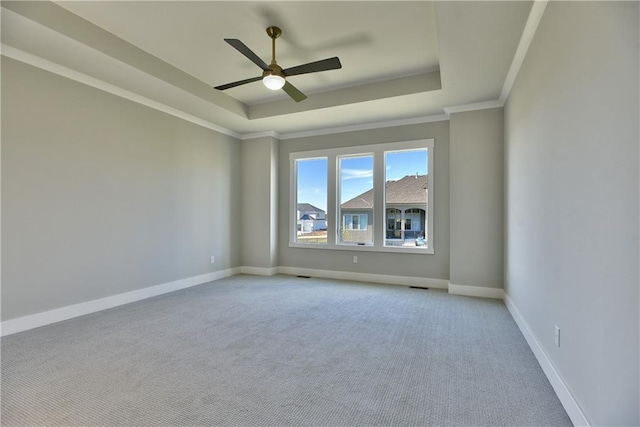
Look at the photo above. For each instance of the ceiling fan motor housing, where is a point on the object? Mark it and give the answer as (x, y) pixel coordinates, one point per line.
(274, 32)
(275, 70)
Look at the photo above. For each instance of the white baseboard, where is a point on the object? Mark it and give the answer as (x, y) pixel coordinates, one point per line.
(562, 391)
(259, 271)
(476, 291)
(366, 277)
(24, 323)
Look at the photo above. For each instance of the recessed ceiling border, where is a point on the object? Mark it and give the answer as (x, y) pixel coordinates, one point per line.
(46, 65)
(531, 26)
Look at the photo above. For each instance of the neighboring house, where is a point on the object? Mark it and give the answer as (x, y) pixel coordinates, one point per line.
(310, 218)
(405, 210)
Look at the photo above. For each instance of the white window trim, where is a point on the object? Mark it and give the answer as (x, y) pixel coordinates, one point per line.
(332, 218)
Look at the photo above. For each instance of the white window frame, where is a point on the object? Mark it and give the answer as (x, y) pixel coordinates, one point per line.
(379, 217)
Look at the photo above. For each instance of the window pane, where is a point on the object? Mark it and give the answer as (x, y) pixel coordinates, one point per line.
(356, 199)
(405, 197)
(311, 197)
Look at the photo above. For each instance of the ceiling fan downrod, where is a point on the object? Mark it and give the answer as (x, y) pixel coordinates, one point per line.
(274, 33)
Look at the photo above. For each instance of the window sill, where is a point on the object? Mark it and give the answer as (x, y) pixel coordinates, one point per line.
(365, 248)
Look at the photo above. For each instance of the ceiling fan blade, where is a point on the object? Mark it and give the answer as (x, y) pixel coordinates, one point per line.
(238, 83)
(243, 49)
(294, 93)
(314, 67)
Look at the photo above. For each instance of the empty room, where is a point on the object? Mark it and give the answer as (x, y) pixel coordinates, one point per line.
(320, 213)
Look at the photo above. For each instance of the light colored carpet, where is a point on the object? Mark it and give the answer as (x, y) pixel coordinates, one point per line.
(277, 351)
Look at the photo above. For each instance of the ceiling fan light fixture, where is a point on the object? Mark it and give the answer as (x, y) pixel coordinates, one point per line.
(273, 76)
(273, 81)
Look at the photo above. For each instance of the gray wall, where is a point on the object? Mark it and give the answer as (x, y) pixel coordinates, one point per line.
(434, 266)
(102, 196)
(571, 132)
(476, 199)
(259, 203)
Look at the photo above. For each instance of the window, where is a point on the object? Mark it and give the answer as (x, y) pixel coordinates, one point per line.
(373, 198)
(311, 200)
(355, 195)
(406, 197)
(355, 222)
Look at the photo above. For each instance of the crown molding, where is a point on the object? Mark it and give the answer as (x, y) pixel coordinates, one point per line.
(254, 135)
(485, 105)
(366, 126)
(535, 15)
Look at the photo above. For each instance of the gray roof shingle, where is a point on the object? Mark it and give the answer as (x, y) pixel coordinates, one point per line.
(308, 207)
(411, 189)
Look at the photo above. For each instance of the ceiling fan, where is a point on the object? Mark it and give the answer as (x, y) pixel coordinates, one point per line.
(273, 76)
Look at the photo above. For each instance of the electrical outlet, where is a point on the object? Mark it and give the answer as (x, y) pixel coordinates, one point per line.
(355, 259)
(213, 259)
(557, 336)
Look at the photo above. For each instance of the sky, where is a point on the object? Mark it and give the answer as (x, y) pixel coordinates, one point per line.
(356, 174)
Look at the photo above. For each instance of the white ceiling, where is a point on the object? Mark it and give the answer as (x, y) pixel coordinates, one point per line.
(401, 60)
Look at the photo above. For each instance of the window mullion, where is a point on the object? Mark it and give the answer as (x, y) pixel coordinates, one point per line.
(332, 194)
(378, 199)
